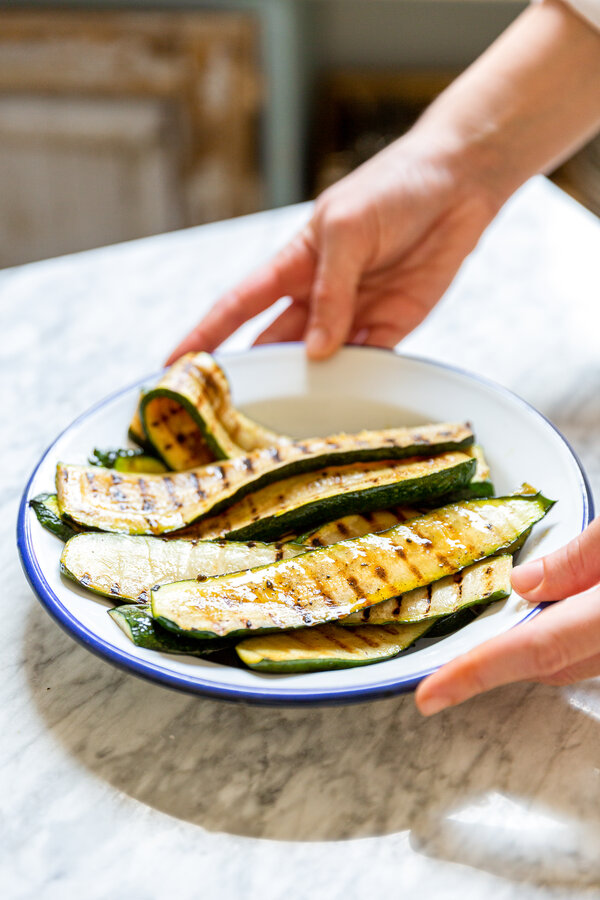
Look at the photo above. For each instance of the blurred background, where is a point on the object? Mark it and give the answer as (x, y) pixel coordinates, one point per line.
(124, 119)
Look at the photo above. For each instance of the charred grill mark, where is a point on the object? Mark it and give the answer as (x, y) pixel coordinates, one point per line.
(91, 480)
(316, 542)
(248, 464)
(366, 614)
(115, 589)
(148, 503)
(221, 471)
(85, 579)
(278, 555)
(337, 642)
(399, 551)
(200, 492)
(269, 584)
(274, 453)
(343, 529)
(115, 491)
(361, 636)
(180, 438)
(168, 482)
(381, 573)
(353, 584)
(428, 599)
(143, 597)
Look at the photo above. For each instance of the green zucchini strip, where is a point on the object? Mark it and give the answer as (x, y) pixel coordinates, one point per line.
(189, 418)
(327, 647)
(126, 568)
(297, 503)
(483, 582)
(154, 504)
(125, 460)
(141, 629)
(45, 506)
(329, 583)
(356, 525)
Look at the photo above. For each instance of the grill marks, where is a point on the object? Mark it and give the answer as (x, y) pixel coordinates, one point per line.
(199, 490)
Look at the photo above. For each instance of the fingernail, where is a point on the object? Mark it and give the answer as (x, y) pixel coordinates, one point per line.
(434, 704)
(360, 338)
(526, 578)
(317, 341)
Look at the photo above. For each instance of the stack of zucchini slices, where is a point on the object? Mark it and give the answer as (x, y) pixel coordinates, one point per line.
(219, 536)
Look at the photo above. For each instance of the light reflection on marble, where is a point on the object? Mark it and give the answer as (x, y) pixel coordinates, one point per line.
(112, 787)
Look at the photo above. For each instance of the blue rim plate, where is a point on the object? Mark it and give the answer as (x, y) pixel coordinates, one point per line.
(360, 387)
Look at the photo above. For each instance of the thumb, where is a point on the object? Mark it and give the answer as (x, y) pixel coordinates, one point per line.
(333, 296)
(570, 570)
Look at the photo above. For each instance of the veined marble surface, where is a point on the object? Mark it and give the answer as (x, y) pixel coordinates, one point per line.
(114, 788)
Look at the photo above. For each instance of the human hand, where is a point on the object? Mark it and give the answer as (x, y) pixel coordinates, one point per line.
(382, 246)
(559, 646)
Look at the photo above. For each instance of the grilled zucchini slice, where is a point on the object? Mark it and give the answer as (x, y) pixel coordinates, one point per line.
(189, 418)
(297, 503)
(123, 567)
(141, 629)
(354, 526)
(45, 506)
(329, 583)
(327, 647)
(358, 524)
(483, 582)
(155, 504)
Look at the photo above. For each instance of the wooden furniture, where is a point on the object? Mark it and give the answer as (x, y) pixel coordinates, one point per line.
(116, 125)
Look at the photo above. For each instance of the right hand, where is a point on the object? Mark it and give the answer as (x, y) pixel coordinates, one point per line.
(381, 248)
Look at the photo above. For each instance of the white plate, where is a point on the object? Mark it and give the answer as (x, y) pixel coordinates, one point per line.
(359, 388)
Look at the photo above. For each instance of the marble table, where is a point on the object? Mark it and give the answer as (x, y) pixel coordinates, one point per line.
(115, 788)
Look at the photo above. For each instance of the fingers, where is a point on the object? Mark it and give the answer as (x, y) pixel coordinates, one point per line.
(587, 668)
(557, 639)
(333, 296)
(290, 273)
(289, 326)
(570, 570)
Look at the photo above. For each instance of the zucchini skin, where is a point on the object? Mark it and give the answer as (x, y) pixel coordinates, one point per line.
(412, 490)
(124, 568)
(157, 504)
(125, 460)
(138, 625)
(197, 385)
(330, 583)
(48, 515)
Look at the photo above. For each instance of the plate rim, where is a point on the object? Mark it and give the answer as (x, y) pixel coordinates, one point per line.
(166, 677)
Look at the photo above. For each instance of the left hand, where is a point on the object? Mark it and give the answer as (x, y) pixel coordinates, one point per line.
(559, 646)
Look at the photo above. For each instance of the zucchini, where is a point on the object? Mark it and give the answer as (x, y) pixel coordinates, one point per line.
(483, 582)
(136, 432)
(189, 419)
(154, 504)
(141, 629)
(48, 515)
(126, 460)
(327, 647)
(305, 500)
(356, 525)
(329, 583)
(126, 568)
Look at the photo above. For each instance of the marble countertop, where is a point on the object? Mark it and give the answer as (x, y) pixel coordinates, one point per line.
(115, 788)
